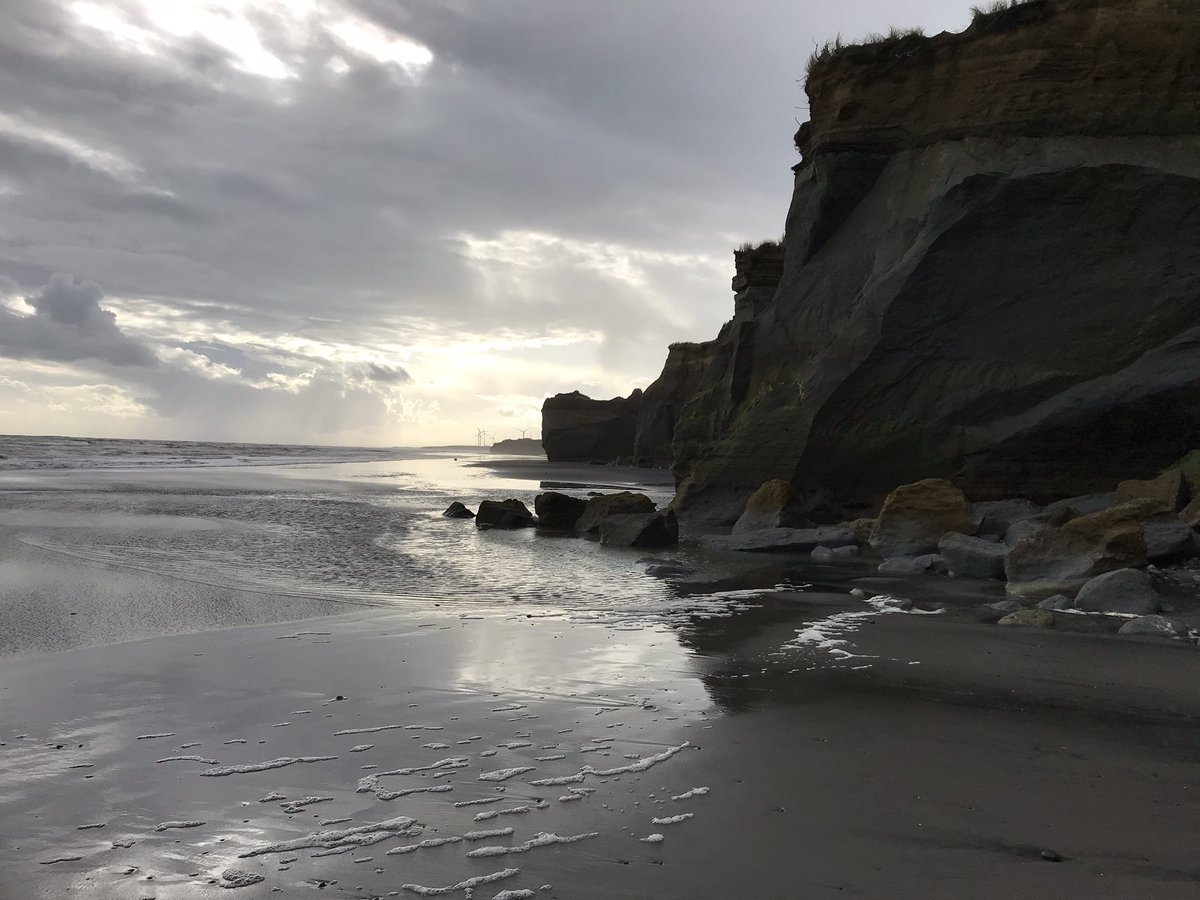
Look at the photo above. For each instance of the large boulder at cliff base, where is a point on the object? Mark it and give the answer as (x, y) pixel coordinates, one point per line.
(1122, 591)
(1029, 618)
(1170, 489)
(658, 529)
(997, 516)
(457, 510)
(503, 514)
(915, 516)
(620, 504)
(1059, 560)
(774, 505)
(1169, 539)
(972, 557)
(558, 511)
(925, 564)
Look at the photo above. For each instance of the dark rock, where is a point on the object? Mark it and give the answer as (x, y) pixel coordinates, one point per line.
(1006, 606)
(1083, 505)
(577, 428)
(667, 570)
(862, 528)
(972, 557)
(1030, 618)
(784, 539)
(555, 510)
(774, 505)
(1057, 602)
(1059, 560)
(915, 516)
(621, 504)
(828, 554)
(1023, 529)
(1153, 626)
(1168, 539)
(1170, 489)
(927, 564)
(503, 514)
(457, 510)
(664, 400)
(1122, 591)
(997, 516)
(659, 529)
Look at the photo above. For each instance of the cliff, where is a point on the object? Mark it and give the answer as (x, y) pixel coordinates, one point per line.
(663, 401)
(991, 270)
(575, 427)
(519, 447)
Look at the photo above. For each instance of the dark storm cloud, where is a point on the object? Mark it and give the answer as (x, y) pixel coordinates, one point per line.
(68, 324)
(558, 165)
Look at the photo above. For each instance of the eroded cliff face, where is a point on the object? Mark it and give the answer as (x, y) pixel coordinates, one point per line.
(992, 271)
(663, 401)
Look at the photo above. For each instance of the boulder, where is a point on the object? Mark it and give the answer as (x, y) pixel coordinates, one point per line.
(1058, 560)
(503, 514)
(972, 557)
(657, 529)
(997, 516)
(1057, 602)
(625, 503)
(784, 539)
(862, 529)
(915, 516)
(1023, 529)
(1029, 618)
(667, 569)
(1153, 626)
(1123, 591)
(1190, 514)
(926, 564)
(1006, 606)
(774, 505)
(1083, 505)
(1170, 489)
(457, 510)
(1168, 538)
(828, 554)
(555, 510)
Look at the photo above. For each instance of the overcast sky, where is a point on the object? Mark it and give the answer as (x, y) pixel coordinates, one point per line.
(383, 222)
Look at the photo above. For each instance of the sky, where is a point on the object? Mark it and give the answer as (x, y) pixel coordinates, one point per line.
(382, 222)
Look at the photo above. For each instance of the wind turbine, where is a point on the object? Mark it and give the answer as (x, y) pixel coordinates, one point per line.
(524, 434)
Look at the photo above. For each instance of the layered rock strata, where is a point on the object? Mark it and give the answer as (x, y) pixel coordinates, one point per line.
(991, 270)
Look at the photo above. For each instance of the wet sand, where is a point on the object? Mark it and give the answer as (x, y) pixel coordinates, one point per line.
(940, 758)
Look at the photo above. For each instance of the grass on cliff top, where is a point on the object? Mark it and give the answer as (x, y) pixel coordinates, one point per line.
(999, 16)
(1004, 15)
(749, 247)
(878, 44)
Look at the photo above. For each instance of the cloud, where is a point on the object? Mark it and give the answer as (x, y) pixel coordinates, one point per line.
(406, 208)
(68, 324)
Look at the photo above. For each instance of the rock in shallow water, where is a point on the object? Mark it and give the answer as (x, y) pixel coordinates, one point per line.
(1057, 602)
(457, 510)
(774, 505)
(659, 529)
(927, 564)
(503, 514)
(622, 504)
(785, 539)
(555, 510)
(972, 557)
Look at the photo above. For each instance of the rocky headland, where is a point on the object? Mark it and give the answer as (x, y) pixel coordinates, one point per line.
(987, 294)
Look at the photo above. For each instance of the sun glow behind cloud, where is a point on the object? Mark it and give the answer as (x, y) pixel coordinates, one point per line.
(264, 39)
